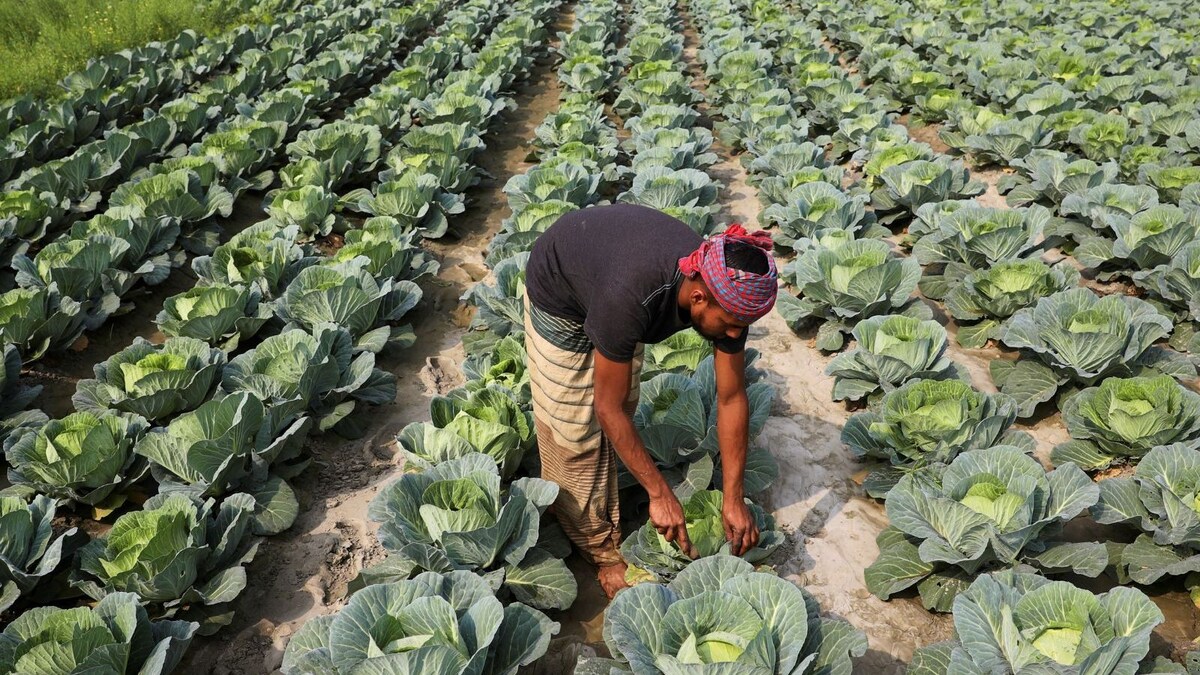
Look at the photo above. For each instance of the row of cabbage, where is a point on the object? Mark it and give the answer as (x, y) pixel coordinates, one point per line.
(1115, 387)
(963, 514)
(232, 429)
(31, 310)
(114, 89)
(1102, 129)
(576, 149)
(79, 280)
(92, 456)
(1103, 133)
(48, 198)
(466, 572)
(1122, 92)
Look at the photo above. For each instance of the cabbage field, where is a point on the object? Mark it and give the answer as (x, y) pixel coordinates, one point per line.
(265, 408)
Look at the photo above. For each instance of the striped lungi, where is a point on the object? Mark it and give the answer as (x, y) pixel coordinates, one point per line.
(574, 451)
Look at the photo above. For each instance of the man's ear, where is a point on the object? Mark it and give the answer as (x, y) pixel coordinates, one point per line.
(698, 296)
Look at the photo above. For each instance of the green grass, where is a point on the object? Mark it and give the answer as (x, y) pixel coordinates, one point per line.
(43, 40)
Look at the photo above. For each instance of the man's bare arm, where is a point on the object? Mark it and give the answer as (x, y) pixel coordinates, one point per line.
(733, 435)
(612, 379)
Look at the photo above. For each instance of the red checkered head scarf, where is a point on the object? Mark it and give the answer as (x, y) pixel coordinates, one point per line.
(745, 295)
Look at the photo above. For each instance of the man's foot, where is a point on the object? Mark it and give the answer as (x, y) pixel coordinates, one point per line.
(612, 578)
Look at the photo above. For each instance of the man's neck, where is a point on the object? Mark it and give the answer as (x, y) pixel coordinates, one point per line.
(683, 298)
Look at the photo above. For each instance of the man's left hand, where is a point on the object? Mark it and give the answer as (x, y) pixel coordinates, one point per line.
(740, 529)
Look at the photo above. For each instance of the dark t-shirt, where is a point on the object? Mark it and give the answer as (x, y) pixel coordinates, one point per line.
(615, 269)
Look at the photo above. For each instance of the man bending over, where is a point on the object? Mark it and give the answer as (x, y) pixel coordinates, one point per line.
(601, 283)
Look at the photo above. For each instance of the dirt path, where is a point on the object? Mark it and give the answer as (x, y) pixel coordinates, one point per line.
(304, 572)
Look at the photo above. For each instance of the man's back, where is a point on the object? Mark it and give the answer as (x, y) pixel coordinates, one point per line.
(615, 270)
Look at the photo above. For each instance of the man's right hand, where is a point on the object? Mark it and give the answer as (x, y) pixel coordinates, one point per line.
(666, 513)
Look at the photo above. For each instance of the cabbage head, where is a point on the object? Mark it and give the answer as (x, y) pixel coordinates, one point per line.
(348, 295)
(774, 190)
(219, 314)
(1103, 138)
(991, 507)
(85, 270)
(263, 255)
(1143, 241)
(843, 285)
(784, 160)
(1170, 181)
(719, 615)
(975, 238)
(908, 186)
(413, 198)
(114, 636)
(1053, 176)
(229, 444)
(680, 353)
(29, 213)
(425, 446)
(247, 147)
(309, 208)
(38, 320)
(676, 417)
(441, 139)
(561, 181)
(342, 150)
(154, 381)
(661, 188)
(389, 248)
(500, 308)
(928, 218)
(179, 194)
(1177, 285)
(490, 420)
(1020, 622)
(891, 351)
(583, 122)
(1160, 500)
(456, 513)
(1124, 418)
(84, 457)
(318, 372)
(984, 299)
(502, 366)
(520, 230)
(1078, 337)
(470, 110)
(1099, 205)
(31, 552)
(433, 624)
(1009, 140)
(654, 559)
(812, 207)
(667, 87)
(152, 247)
(181, 556)
(929, 422)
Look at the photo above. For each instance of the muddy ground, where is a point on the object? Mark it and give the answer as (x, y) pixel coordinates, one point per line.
(832, 526)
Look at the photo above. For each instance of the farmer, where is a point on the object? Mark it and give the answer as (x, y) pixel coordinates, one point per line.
(601, 283)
